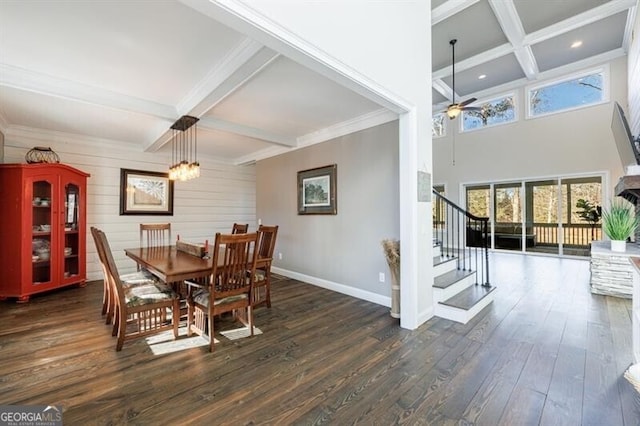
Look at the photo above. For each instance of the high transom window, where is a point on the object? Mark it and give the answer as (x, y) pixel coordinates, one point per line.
(496, 111)
(575, 92)
(437, 125)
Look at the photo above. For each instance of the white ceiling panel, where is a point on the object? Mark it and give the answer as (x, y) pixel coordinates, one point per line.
(533, 36)
(496, 72)
(538, 14)
(115, 44)
(44, 112)
(600, 37)
(288, 99)
(476, 29)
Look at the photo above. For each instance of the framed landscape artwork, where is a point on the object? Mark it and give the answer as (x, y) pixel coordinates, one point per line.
(145, 193)
(317, 190)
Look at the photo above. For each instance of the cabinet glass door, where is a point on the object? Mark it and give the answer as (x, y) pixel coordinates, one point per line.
(71, 231)
(41, 225)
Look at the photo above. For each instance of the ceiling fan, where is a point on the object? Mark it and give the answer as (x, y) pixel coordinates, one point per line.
(455, 109)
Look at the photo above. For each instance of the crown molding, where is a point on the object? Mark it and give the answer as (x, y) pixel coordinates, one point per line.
(43, 136)
(365, 121)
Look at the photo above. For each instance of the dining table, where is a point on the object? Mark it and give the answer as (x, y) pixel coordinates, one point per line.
(173, 266)
(170, 264)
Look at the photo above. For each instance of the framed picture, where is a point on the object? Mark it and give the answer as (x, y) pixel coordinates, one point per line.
(145, 193)
(317, 190)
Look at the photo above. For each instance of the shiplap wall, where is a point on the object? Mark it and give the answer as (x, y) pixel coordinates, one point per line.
(224, 194)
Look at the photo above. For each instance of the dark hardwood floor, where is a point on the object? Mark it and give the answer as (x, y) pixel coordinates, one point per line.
(546, 352)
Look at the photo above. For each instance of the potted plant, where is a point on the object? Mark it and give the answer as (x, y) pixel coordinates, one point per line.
(589, 213)
(619, 222)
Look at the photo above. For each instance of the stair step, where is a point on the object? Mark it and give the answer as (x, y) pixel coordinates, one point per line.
(450, 278)
(439, 260)
(469, 297)
(442, 265)
(466, 304)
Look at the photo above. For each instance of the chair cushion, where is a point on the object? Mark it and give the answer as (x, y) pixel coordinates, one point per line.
(201, 297)
(145, 293)
(137, 278)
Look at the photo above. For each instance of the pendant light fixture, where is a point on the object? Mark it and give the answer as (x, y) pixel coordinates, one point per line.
(184, 149)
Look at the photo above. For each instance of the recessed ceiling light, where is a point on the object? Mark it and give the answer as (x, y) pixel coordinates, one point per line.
(481, 76)
(575, 44)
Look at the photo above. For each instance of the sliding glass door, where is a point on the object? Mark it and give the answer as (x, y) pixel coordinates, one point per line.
(543, 216)
(508, 216)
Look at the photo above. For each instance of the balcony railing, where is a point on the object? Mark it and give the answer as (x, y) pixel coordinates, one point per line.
(574, 234)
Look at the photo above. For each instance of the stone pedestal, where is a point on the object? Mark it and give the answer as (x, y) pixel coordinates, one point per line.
(611, 272)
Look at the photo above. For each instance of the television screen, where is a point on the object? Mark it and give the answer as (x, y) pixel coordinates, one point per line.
(627, 149)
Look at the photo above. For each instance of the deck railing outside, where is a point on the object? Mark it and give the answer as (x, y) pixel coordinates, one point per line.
(574, 235)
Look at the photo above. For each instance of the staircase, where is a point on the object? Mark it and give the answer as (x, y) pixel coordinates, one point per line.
(461, 287)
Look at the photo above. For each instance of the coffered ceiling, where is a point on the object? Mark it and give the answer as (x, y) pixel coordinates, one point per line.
(120, 73)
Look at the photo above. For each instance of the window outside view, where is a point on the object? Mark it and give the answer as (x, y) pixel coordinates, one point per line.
(579, 92)
(554, 217)
(497, 111)
(437, 125)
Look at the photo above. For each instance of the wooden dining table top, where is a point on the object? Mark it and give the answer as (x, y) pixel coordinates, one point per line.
(171, 265)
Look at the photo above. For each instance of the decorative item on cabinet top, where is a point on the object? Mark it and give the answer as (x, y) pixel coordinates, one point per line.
(41, 154)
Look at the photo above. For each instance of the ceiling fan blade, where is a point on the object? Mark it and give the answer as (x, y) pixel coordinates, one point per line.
(470, 108)
(467, 102)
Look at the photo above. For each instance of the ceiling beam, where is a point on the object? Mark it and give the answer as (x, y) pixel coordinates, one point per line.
(509, 20)
(248, 59)
(450, 8)
(211, 123)
(444, 89)
(465, 64)
(36, 82)
(585, 18)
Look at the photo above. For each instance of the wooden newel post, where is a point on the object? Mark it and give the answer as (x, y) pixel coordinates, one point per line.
(392, 254)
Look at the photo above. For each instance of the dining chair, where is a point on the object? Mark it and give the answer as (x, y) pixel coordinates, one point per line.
(155, 234)
(266, 246)
(239, 228)
(109, 296)
(230, 286)
(143, 306)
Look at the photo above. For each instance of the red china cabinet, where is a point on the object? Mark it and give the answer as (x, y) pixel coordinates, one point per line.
(42, 228)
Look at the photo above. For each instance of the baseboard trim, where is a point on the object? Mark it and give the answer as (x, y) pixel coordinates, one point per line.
(337, 287)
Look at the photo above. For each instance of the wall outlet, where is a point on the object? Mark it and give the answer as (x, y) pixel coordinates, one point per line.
(279, 256)
(259, 222)
(381, 277)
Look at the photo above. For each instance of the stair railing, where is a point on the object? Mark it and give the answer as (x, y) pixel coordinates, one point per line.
(463, 236)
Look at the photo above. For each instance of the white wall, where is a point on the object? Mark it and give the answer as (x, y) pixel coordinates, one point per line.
(384, 49)
(223, 195)
(573, 142)
(341, 252)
